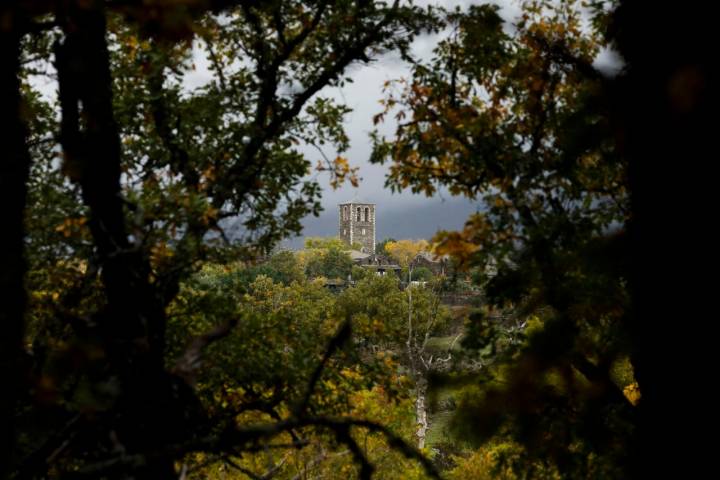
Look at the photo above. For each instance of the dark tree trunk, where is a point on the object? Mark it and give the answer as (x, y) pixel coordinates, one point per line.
(91, 145)
(14, 168)
(667, 104)
(146, 415)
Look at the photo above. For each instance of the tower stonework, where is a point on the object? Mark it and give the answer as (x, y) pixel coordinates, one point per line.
(357, 224)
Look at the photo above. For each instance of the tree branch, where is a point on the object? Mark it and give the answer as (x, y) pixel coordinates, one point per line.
(336, 342)
(188, 363)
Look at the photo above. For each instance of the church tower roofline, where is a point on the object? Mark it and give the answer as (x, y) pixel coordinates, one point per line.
(358, 201)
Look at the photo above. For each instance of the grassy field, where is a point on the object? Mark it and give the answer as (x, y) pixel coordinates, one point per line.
(440, 415)
(441, 399)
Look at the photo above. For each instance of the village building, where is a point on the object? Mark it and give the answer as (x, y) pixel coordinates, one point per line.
(357, 228)
(380, 264)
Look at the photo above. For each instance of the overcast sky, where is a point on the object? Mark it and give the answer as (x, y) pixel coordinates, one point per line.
(399, 215)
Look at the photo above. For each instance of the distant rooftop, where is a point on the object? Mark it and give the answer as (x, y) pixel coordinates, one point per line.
(358, 255)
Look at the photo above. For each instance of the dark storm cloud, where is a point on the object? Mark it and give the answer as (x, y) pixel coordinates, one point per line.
(420, 219)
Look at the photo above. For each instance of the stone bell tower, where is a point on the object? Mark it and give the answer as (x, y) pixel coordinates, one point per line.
(357, 224)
